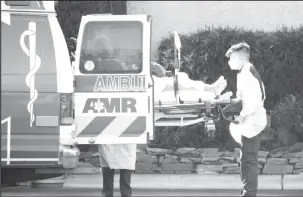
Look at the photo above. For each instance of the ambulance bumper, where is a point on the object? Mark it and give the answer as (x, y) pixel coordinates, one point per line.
(69, 157)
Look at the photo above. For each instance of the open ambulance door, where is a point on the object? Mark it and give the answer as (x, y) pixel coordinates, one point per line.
(113, 84)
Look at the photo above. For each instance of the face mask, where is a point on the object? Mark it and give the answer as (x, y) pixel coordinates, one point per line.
(234, 63)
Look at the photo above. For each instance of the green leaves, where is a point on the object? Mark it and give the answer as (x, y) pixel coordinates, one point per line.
(289, 114)
(69, 13)
(189, 136)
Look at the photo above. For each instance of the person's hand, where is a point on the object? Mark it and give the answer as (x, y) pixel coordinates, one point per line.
(235, 100)
(239, 119)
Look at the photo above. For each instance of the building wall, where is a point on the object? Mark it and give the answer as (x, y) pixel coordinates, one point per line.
(188, 16)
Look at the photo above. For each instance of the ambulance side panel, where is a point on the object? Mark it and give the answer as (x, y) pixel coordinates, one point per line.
(30, 104)
(113, 105)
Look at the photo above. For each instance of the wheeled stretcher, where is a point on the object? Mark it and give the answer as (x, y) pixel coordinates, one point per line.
(179, 101)
(189, 111)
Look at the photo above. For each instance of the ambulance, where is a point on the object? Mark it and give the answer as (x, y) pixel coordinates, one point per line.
(113, 83)
(37, 125)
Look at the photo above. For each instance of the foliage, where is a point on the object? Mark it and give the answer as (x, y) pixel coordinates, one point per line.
(180, 137)
(278, 56)
(289, 114)
(192, 136)
(69, 13)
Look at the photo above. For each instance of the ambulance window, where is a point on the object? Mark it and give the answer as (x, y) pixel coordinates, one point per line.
(17, 3)
(112, 47)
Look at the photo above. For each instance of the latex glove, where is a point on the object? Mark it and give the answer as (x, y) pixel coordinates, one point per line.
(239, 119)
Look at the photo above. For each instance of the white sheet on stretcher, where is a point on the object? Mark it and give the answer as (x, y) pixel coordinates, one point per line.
(190, 91)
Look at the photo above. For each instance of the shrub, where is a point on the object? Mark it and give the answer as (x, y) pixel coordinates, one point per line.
(189, 136)
(288, 113)
(69, 13)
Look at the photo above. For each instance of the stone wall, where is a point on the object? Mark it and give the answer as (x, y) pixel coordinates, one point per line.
(212, 161)
(286, 160)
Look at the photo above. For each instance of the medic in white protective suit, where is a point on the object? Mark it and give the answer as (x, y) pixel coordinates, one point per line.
(252, 120)
(120, 157)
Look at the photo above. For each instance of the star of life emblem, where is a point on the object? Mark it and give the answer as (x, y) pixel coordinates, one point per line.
(99, 106)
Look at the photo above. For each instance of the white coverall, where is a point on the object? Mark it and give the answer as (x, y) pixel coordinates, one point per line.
(118, 156)
(252, 94)
(113, 157)
(249, 92)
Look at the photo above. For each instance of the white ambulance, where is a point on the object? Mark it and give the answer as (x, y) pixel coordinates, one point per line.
(37, 127)
(113, 83)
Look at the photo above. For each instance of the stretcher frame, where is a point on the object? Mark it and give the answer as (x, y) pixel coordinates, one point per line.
(182, 114)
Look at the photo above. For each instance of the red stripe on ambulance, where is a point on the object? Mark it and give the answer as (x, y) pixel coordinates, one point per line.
(136, 129)
(135, 126)
(96, 126)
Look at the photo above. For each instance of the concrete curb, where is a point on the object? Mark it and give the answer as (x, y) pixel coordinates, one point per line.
(293, 182)
(203, 182)
(196, 182)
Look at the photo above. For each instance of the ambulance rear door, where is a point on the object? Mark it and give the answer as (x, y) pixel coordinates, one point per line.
(113, 85)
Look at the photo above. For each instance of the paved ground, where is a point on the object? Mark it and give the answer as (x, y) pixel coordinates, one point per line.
(147, 192)
(172, 185)
(191, 181)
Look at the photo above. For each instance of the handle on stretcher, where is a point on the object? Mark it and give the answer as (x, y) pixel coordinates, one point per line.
(223, 116)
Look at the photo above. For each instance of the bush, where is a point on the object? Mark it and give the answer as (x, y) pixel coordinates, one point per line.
(69, 13)
(278, 56)
(190, 136)
(288, 113)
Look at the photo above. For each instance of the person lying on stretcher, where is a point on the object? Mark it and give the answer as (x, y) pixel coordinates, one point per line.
(189, 90)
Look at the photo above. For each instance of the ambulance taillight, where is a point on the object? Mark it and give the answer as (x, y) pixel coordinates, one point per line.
(66, 109)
